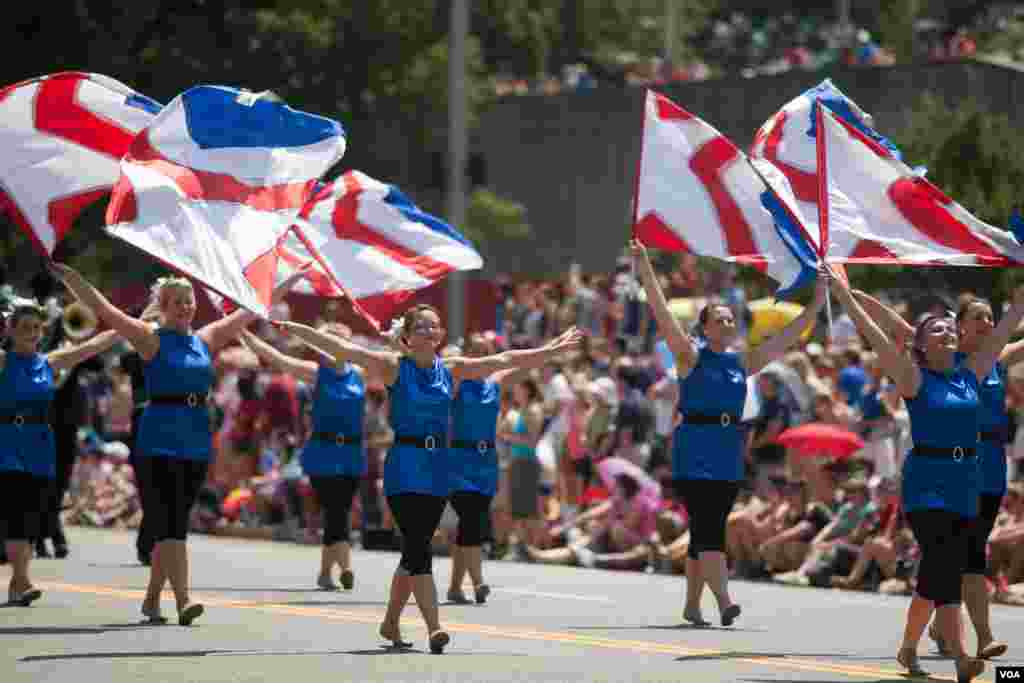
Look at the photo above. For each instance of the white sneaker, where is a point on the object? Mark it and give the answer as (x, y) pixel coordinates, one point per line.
(586, 557)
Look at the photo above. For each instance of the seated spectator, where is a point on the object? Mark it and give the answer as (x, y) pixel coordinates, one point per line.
(1006, 544)
(786, 550)
(887, 555)
(751, 524)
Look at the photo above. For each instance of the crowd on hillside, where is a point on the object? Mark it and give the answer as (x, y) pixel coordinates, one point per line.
(805, 517)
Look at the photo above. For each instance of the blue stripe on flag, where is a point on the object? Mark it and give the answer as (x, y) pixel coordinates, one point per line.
(217, 119)
(827, 94)
(397, 199)
(144, 103)
(792, 236)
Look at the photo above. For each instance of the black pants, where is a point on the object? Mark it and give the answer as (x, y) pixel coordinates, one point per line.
(943, 537)
(23, 501)
(66, 442)
(978, 531)
(335, 494)
(708, 504)
(417, 516)
(144, 539)
(474, 511)
(172, 485)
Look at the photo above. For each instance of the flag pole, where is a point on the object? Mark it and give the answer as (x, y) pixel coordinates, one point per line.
(636, 191)
(822, 159)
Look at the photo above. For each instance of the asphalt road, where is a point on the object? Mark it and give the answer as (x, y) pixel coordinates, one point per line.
(265, 622)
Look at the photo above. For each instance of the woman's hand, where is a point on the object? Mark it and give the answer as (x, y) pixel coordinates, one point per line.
(637, 250)
(285, 286)
(569, 340)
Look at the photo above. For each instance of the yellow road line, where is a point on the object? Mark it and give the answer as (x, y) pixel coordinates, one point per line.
(640, 646)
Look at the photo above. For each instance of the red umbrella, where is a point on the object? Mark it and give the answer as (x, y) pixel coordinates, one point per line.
(821, 439)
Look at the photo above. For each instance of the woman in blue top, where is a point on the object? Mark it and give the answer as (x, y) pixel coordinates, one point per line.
(28, 460)
(420, 385)
(940, 475)
(334, 458)
(707, 450)
(975, 323)
(473, 468)
(174, 430)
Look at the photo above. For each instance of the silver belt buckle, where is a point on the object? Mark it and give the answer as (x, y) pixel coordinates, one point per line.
(958, 453)
(192, 400)
(430, 443)
(339, 439)
(481, 447)
(19, 420)
(725, 419)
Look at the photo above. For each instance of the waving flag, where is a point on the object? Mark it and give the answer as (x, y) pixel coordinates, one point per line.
(63, 136)
(696, 192)
(876, 209)
(214, 182)
(373, 245)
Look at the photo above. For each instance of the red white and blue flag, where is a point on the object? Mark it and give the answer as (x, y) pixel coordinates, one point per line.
(212, 185)
(371, 244)
(63, 136)
(874, 208)
(697, 192)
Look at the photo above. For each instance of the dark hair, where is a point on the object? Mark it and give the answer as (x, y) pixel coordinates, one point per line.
(413, 313)
(702, 317)
(629, 485)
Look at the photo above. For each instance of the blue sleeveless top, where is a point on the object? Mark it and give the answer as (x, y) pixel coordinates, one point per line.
(717, 384)
(994, 418)
(421, 401)
(27, 389)
(181, 366)
(338, 407)
(475, 418)
(945, 413)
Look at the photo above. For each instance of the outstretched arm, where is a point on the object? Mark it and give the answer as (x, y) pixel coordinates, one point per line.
(140, 334)
(220, 333)
(679, 342)
(892, 322)
(477, 368)
(63, 359)
(300, 369)
(773, 348)
(981, 361)
(898, 365)
(380, 364)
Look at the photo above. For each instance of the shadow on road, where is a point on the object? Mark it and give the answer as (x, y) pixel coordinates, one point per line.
(69, 630)
(382, 650)
(331, 603)
(667, 627)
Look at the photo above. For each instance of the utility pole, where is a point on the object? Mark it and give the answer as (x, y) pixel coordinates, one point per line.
(457, 155)
(671, 17)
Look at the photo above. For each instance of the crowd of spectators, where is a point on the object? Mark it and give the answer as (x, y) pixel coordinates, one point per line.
(585, 447)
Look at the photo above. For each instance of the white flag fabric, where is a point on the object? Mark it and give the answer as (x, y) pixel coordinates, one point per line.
(63, 136)
(211, 186)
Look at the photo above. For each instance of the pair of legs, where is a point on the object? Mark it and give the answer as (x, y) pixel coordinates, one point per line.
(611, 548)
(744, 534)
(473, 509)
(417, 516)
(172, 485)
(144, 538)
(708, 503)
(942, 535)
(335, 495)
(975, 590)
(23, 498)
(879, 550)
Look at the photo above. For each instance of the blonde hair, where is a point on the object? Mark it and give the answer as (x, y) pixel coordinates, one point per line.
(156, 294)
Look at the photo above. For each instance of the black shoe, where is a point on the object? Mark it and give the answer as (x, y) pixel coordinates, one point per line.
(41, 550)
(144, 558)
(61, 551)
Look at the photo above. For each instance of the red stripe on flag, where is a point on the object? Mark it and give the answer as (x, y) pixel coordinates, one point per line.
(922, 205)
(804, 184)
(64, 211)
(669, 110)
(870, 250)
(653, 232)
(123, 208)
(209, 186)
(707, 163)
(58, 112)
(260, 273)
(383, 306)
(347, 226)
(321, 283)
(821, 150)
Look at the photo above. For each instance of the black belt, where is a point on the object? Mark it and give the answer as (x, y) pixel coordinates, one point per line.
(191, 400)
(996, 435)
(479, 446)
(956, 453)
(18, 420)
(430, 443)
(722, 419)
(337, 438)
